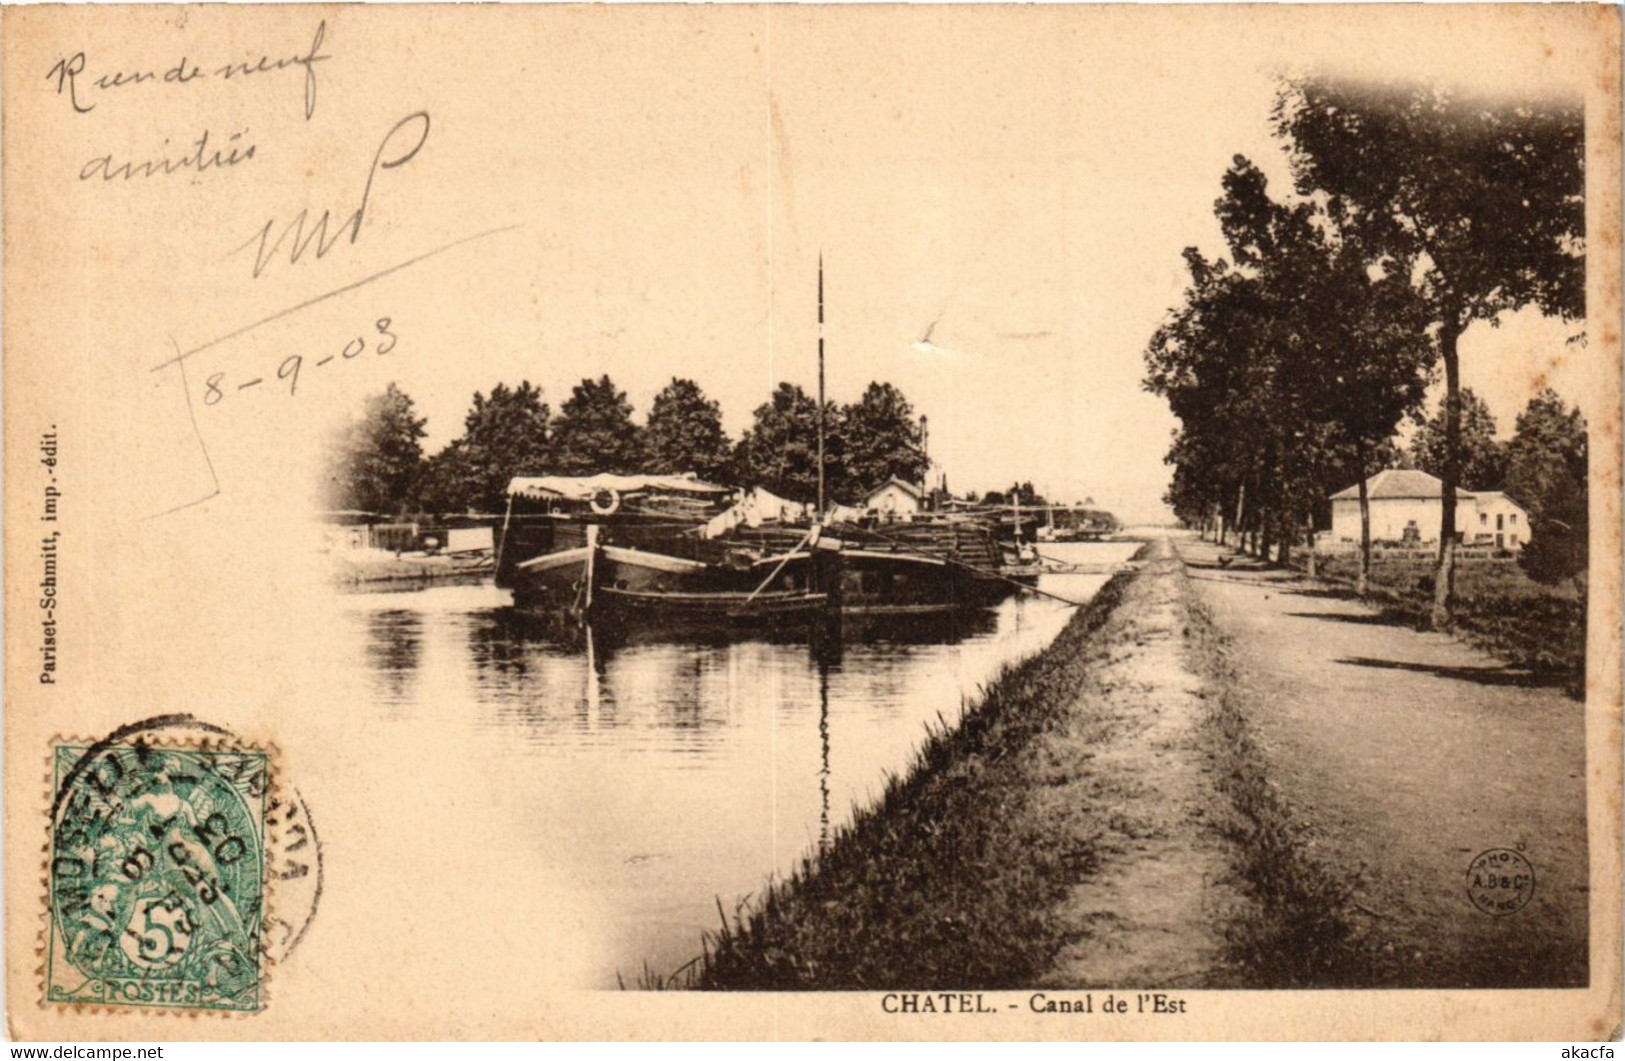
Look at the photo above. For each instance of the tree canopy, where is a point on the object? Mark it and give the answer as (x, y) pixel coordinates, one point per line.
(374, 460)
(1481, 202)
(504, 435)
(1485, 198)
(379, 464)
(882, 440)
(1481, 460)
(1287, 366)
(780, 449)
(595, 433)
(1546, 473)
(684, 433)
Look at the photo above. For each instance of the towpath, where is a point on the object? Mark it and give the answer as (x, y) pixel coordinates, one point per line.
(1409, 754)
(1153, 909)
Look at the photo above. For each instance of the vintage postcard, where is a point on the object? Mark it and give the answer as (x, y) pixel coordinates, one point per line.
(878, 522)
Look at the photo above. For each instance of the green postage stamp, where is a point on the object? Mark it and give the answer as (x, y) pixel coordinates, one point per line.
(157, 876)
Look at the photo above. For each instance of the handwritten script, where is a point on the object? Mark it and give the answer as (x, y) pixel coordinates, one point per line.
(399, 146)
(199, 158)
(74, 83)
(216, 387)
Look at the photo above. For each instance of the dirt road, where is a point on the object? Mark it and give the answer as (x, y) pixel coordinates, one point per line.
(1156, 908)
(1409, 754)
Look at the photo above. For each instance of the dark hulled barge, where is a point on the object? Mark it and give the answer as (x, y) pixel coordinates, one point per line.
(652, 550)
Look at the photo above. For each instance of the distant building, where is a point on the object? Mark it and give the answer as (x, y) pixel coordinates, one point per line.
(1500, 520)
(895, 499)
(1406, 508)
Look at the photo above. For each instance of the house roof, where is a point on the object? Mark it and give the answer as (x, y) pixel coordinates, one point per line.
(1493, 496)
(913, 491)
(1394, 483)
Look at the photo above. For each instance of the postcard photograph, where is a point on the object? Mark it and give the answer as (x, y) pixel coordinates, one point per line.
(859, 521)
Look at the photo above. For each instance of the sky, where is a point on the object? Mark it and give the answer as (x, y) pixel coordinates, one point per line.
(1000, 198)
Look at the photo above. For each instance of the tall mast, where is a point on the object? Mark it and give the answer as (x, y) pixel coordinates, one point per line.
(820, 386)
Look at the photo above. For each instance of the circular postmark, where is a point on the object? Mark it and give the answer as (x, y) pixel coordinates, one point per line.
(1500, 881)
(166, 840)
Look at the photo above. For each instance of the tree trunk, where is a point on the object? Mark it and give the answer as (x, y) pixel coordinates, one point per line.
(1444, 584)
(1362, 585)
(1286, 527)
(1241, 513)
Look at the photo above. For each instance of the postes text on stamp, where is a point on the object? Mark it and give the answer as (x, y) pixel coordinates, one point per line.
(157, 876)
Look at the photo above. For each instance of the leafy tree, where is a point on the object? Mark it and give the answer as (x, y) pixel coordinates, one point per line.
(504, 435)
(1236, 363)
(1288, 367)
(1023, 493)
(375, 461)
(448, 482)
(1557, 547)
(684, 433)
(594, 431)
(882, 439)
(1481, 202)
(1481, 460)
(1201, 360)
(1376, 364)
(1546, 472)
(779, 450)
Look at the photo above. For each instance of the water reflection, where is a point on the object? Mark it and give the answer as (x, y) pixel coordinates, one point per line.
(668, 774)
(823, 754)
(394, 647)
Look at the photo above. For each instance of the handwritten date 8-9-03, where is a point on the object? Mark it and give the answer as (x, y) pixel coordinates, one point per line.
(380, 341)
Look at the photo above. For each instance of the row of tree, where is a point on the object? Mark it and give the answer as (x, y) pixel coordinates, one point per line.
(1291, 363)
(378, 463)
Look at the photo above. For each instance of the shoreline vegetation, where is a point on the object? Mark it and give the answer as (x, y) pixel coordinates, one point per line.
(960, 875)
(1497, 607)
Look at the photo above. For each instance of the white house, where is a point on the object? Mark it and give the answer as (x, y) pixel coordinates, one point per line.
(895, 499)
(1499, 519)
(1405, 507)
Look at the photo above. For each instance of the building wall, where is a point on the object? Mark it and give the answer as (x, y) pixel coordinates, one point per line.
(462, 539)
(1501, 521)
(1389, 515)
(892, 498)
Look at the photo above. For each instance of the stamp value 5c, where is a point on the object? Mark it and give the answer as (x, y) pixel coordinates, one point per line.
(157, 876)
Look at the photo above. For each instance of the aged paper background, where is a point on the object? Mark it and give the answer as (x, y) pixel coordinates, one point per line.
(609, 169)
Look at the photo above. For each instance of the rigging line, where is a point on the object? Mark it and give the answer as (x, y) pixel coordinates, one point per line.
(792, 554)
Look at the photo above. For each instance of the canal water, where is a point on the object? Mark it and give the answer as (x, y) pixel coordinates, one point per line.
(693, 771)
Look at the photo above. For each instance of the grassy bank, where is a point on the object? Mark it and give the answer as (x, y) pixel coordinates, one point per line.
(1498, 607)
(949, 879)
